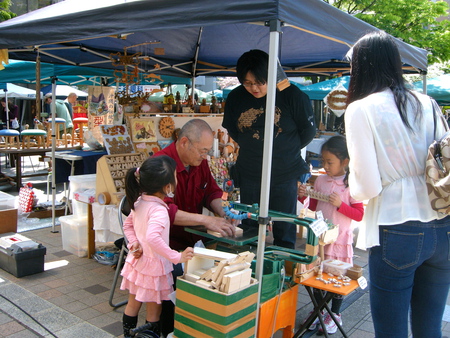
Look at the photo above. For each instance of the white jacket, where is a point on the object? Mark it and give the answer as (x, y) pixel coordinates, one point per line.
(387, 163)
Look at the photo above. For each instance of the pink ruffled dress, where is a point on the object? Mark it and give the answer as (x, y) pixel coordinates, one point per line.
(149, 277)
(350, 209)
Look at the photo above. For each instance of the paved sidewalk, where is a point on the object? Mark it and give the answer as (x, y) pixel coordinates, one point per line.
(70, 298)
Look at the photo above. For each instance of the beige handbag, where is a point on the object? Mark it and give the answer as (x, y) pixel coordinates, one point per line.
(437, 169)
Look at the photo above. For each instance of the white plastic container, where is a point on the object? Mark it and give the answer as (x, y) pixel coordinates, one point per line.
(74, 235)
(7, 201)
(335, 267)
(79, 184)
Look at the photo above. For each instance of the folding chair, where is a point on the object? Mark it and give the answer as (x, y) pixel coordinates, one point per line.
(122, 210)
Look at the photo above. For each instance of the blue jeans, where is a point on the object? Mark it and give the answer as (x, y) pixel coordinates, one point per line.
(410, 274)
(283, 198)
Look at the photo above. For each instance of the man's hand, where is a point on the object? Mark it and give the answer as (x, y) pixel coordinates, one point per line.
(221, 225)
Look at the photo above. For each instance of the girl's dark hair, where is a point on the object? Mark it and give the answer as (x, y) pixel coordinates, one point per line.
(337, 145)
(154, 174)
(255, 61)
(376, 65)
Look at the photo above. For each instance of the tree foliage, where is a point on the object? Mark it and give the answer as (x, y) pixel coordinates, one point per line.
(5, 13)
(413, 21)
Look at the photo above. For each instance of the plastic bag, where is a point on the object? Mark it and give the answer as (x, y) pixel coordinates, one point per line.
(15, 124)
(106, 257)
(27, 198)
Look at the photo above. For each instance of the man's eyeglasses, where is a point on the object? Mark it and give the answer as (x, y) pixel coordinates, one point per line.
(201, 152)
(249, 84)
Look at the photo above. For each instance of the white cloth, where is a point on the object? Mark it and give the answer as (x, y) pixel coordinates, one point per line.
(106, 222)
(387, 163)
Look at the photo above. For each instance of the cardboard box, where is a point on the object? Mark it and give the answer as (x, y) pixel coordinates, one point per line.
(9, 221)
(203, 313)
(21, 256)
(355, 271)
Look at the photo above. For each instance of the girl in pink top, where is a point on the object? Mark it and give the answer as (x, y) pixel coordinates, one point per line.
(147, 270)
(341, 210)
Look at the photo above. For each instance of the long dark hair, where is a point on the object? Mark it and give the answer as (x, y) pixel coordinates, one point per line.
(154, 174)
(337, 145)
(376, 65)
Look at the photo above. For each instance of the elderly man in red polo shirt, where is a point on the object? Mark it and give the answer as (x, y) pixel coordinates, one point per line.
(196, 188)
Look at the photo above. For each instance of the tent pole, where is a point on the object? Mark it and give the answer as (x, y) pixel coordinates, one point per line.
(275, 29)
(38, 87)
(194, 65)
(424, 82)
(53, 116)
(6, 107)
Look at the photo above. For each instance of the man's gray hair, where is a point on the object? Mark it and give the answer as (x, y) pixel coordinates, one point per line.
(193, 129)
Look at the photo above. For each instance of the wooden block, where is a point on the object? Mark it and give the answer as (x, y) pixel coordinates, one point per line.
(213, 254)
(204, 284)
(218, 270)
(207, 275)
(237, 280)
(238, 232)
(191, 277)
(214, 233)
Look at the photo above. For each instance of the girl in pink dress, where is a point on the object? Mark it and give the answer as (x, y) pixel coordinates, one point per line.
(147, 270)
(341, 210)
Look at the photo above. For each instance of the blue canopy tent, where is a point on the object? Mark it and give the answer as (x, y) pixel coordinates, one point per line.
(319, 90)
(18, 71)
(438, 88)
(198, 37)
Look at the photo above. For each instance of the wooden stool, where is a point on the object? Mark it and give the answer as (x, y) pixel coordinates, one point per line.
(80, 122)
(11, 138)
(59, 139)
(37, 134)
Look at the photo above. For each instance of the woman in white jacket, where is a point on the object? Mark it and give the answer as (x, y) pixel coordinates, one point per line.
(388, 129)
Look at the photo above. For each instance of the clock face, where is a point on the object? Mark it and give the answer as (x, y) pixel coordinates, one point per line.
(166, 127)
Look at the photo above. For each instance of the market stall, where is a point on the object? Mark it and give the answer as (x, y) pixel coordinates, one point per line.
(197, 38)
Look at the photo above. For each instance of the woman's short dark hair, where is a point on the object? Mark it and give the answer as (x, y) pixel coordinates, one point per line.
(255, 61)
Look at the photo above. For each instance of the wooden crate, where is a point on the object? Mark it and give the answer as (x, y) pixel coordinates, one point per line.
(203, 313)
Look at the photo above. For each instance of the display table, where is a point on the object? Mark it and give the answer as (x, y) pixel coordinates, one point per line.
(16, 157)
(311, 283)
(75, 162)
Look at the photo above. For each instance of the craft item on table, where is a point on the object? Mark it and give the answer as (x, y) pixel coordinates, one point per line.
(318, 195)
(143, 130)
(116, 139)
(219, 169)
(111, 171)
(166, 127)
(336, 100)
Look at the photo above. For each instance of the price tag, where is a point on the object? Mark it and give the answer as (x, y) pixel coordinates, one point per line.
(319, 215)
(318, 227)
(362, 282)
